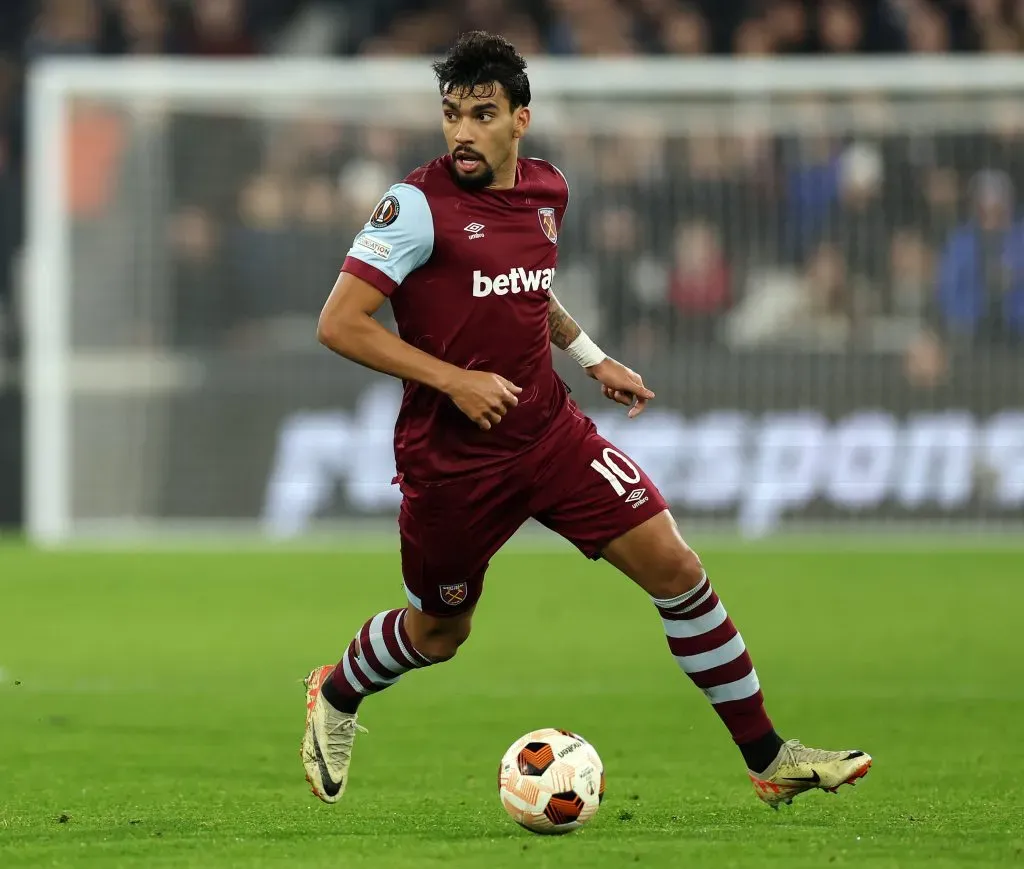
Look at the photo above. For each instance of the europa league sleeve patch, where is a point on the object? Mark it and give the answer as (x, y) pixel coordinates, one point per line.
(385, 213)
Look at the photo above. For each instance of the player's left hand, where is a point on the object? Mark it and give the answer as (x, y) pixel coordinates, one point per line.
(622, 385)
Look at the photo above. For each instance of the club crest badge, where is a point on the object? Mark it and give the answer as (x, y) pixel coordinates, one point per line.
(546, 216)
(453, 595)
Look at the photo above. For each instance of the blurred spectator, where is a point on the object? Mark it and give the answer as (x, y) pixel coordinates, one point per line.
(754, 38)
(318, 211)
(981, 274)
(942, 202)
(811, 164)
(146, 27)
(857, 224)
(840, 26)
(618, 254)
(984, 13)
(684, 31)
(594, 27)
(828, 287)
(310, 144)
(286, 227)
(787, 21)
(219, 28)
(927, 30)
(710, 187)
(64, 27)
(910, 278)
(201, 306)
(501, 17)
(700, 287)
(926, 364)
(1002, 147)
(783, 309)
(259, 251)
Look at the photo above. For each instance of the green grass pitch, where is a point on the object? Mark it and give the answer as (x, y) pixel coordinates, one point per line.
(151, 712)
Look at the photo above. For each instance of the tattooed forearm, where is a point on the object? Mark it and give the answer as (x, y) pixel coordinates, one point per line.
(564, 329)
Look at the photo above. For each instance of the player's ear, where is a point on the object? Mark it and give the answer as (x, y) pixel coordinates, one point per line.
(522, 121)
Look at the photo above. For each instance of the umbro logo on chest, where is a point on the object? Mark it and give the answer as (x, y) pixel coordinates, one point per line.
(475, 230)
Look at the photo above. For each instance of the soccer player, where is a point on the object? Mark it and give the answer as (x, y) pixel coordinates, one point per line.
(487, 437)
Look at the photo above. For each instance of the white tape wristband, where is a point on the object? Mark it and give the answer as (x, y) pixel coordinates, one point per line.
(586, 352)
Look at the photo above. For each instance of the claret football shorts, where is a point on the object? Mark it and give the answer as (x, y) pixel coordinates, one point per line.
(577, 484)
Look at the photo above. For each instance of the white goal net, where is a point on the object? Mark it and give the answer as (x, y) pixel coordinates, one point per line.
(818, 264)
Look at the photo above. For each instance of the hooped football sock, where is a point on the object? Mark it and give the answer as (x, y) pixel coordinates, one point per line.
(375, 659)
(710, 650)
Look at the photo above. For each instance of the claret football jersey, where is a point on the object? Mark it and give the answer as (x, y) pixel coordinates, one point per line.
(468, 275)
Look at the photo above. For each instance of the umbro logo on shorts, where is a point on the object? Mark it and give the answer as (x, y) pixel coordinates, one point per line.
(637, 497)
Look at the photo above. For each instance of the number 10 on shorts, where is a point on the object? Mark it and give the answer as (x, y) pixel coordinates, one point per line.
(617, 469)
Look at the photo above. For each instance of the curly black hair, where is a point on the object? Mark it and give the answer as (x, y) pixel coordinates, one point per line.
(478, 60)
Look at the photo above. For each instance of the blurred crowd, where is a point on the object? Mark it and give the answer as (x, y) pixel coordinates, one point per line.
(889, 242)
(883, 242)
(743, 27)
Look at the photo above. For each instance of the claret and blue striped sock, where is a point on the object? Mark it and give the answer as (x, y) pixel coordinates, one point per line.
(375, 659)
(710, 650)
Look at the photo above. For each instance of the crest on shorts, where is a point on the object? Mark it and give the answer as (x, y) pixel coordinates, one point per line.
(453, 595)
(546, 216)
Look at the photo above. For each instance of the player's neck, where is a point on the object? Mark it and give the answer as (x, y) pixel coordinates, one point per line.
(505, 178)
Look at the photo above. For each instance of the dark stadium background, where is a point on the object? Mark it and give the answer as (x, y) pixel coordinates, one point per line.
(32, 29)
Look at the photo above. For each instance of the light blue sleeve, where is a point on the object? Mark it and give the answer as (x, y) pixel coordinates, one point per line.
(397, 239)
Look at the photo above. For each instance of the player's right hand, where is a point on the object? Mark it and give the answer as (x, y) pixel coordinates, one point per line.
(484, 397)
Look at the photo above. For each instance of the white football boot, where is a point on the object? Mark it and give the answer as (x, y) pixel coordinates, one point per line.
(797, 769)
(327, 744)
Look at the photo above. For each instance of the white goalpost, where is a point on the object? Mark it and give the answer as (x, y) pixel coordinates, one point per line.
(172, 390)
